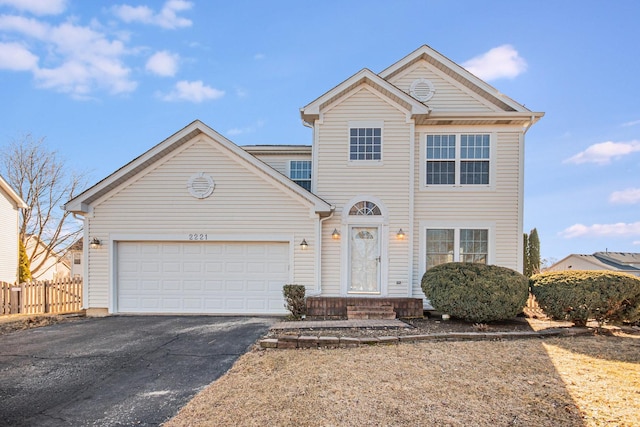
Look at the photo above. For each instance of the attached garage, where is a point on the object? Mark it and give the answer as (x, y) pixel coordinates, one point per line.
(201, 277)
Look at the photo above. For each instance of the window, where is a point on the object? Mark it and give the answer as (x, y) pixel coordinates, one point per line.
(77, 258)
(365, 208)
(450, 163)
(300, 173)
(456, 244)
(365, 143)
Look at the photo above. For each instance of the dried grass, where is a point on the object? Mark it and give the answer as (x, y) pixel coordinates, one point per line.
(555, 382)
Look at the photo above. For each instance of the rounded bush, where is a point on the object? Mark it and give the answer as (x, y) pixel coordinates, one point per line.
(576, 295)
(476, 292)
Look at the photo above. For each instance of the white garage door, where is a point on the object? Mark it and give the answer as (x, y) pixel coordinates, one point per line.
(202, 277)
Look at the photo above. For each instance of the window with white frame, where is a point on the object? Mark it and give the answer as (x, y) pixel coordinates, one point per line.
(456, 244)
(365, 143)
(77, 258)
(300, 173)
(458, 159)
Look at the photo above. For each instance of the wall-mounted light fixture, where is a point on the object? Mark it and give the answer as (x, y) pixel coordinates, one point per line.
(95, 243)
(336, 234)
(400, 234)
(304, 245)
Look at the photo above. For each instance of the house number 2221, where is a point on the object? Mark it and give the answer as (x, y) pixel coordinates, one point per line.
(197, 236)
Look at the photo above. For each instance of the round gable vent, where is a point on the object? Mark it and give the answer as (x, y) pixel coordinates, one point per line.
(201, 185)
(422, 89)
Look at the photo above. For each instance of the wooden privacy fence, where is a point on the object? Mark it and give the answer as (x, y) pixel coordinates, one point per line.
(55, 296)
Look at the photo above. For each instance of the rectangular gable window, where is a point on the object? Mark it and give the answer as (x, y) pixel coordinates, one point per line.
(300, 173)
(365, 143)
(458, 159)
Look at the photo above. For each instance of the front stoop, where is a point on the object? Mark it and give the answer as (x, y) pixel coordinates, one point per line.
(335, 308)
(359, 312)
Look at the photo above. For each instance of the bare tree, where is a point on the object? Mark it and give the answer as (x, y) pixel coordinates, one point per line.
(44, 182)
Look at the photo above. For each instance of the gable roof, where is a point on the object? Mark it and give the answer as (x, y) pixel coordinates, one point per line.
(605, 261)
(510, 111)
(620, 258)
(365, 76)
(6, 188)
(81, 203)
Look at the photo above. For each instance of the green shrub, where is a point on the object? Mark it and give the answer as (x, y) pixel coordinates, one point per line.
(476, 292)
(606, 296)
(295, 300)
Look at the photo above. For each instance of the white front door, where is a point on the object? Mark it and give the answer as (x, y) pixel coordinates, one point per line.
(365, 259)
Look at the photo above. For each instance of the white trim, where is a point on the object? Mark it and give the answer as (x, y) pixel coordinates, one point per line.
(412, 191)
(116, 238)
(520, 259)
(85, 266)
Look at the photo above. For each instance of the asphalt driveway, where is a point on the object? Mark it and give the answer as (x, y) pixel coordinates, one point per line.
(116, 371)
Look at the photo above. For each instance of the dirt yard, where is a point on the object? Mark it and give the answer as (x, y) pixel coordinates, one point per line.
(578, 381)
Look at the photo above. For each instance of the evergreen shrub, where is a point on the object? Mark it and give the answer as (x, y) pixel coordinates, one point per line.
(476, 292)
(294, 296)
(580, 295)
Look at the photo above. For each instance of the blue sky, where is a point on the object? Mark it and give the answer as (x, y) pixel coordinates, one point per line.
(105, 81)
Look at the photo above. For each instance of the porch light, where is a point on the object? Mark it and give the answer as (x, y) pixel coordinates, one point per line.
(95, 243)
(304, 245)
(400, 234)
(336, 234)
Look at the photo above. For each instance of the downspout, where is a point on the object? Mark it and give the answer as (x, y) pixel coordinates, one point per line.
(528, 125)
(318, 289)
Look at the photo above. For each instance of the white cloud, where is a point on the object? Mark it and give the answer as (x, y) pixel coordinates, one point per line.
(163, 63)
(166, 18)
(636, 242)
(602, 230)
(195, 91)
(631, 123)
(37, 7)
(248, 129)
(15, 57)
(630, 196)
(79, 59)
(603, 152)
(499, 62)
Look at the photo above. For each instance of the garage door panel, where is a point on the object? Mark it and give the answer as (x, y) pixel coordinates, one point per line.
(202, 277)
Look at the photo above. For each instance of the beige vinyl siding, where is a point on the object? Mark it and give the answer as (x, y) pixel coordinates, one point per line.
(339, 181)
(244, 203)
(500, 205)
(8, 239)
(448, 95)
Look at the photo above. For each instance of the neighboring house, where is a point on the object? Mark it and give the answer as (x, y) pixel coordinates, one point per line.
(625, 262)
(49, 267)
(418, 165)
(10, 205)
(75, 255)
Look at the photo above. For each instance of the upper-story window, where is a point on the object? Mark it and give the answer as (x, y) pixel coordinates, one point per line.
(365, 143)
(77, 258)
(300, 173)
(458, 159)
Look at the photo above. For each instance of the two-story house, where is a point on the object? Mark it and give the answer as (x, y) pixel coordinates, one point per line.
(417, 165)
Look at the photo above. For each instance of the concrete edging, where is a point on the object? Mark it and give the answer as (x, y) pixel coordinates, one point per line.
(312, 341)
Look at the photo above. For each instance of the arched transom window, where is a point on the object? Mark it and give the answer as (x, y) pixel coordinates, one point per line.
(365, 208)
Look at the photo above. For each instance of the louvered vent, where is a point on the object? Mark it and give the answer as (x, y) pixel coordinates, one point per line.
(201, 185)
(422, 90)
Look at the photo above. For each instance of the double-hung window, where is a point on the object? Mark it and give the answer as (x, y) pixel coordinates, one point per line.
(300, 173)
(456, 244)
(365, 143)
(458, 159)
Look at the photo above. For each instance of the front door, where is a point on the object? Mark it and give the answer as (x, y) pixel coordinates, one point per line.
(365, 260)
